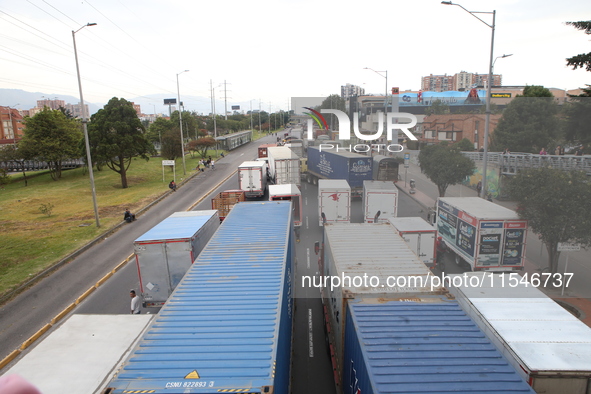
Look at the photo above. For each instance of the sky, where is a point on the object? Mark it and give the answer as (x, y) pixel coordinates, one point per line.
(269, 51)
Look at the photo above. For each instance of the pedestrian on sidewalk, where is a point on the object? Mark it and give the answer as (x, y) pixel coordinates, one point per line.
(213, 164)
(479, 187)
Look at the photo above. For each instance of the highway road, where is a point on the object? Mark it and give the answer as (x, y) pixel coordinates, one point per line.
(311, 371)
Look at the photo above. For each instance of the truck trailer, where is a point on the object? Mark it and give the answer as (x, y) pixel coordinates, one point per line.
(227, 327)
(330, 164)
(421, 345)
(379, 202)
(252, 178)
(334, 201)
(284, 166)
(546, 344)
(164, 253)
(224, 201)
(483, 235)
(379, 264)
(419, 235)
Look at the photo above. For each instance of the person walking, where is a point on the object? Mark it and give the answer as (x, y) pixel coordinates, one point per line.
(543, 152)
(213, 164)
(135, 303)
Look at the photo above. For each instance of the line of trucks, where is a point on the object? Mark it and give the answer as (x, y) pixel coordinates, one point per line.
(397, 330)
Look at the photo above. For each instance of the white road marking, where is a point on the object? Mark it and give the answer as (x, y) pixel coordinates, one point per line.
(308, 257)
(310, 337)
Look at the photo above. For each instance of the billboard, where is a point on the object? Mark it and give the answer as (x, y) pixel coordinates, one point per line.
(169, 101)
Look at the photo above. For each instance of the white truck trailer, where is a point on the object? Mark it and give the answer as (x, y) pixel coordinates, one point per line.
(549, 346)
(164, 253)
(252, 178)
(284, 166)
(483, 235)
(334, 201)
(379, 201)
(419, 235)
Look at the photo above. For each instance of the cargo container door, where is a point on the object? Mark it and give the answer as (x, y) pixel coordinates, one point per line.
(180, 257)
(380, 202)
(335, 205)
(153, 272)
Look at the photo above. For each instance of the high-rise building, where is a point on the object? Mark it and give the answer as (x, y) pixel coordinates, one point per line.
(459, 81)
(52, 104)
(349, 90)
(76, 110)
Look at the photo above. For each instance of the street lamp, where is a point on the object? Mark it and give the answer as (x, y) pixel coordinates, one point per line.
(178, 92)
(484, 191)
(85, 128)
(385, 97)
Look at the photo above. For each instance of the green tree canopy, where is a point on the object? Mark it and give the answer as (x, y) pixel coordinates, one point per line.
(117, 136)
(51, 137)
(202, 145)
(334, 101)
(445, 166)
(582, 60)
(529, 122)
(157, 129)
(171, 144)
(557, 205)
(463, 146)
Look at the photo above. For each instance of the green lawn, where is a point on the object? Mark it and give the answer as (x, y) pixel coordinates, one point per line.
(32, 241)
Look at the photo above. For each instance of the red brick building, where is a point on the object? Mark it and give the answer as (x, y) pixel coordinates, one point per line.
(455, 127)
(11, 125)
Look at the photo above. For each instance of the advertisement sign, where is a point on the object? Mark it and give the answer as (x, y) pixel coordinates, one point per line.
(489, 251)
(513, 249)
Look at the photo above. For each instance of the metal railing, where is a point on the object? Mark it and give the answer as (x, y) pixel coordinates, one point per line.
(510, 163)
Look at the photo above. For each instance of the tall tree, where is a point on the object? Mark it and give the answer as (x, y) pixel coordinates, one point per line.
(557, 205)
(51, 137)
(117, 136)
(171, 144)
(445, 166)
(582, 60)
(577, 114)
(529, 122)
(157, 129)
(334, 101)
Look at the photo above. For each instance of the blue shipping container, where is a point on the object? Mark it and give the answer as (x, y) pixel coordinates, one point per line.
(227, 326)
(414, 347)
(329, 164)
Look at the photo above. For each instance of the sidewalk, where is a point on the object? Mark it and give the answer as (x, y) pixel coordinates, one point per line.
(581, 306)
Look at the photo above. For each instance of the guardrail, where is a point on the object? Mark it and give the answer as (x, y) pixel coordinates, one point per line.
(510, 163)
(35, 165)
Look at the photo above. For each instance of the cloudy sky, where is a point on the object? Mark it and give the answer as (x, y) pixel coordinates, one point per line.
(269, 51)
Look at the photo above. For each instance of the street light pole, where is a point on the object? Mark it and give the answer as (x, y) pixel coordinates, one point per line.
(484, 191)
(85, 128)
(385, 98)
(178, 92)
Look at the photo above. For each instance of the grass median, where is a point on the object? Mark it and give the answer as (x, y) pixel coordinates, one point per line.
(47, 220)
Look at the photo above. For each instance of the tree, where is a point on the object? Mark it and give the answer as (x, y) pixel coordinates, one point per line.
(582, 60)
(51, 137)
(445, 166)
(529, 122)
(334, 101)
(158, 129)
(437, 107)
(12, 153)
(557, 205)
(463, 146)
(577, 118)
(117, 136)
(171, 144)
(202, 145)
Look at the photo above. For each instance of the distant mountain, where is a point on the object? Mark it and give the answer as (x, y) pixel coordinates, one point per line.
(28, 100)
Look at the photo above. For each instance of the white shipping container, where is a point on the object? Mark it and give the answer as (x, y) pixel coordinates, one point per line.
(252, 178)
(288, 193)
(164, 253)
(334, 201)
(284, 165)
(549, 346)
(419, 235)
(380, 201)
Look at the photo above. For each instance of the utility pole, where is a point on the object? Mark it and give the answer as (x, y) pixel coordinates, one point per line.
(225, 102)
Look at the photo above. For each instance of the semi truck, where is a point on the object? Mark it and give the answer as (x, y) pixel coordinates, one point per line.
(547, 345)
(225, 201)
(252, 178)
(227, 328)
(419, 235)
(289, 193)
(164, 253)
(262, 151)
(284, 166)
(334, 201)
(483, 236)
(330, 164)
(379, 201)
